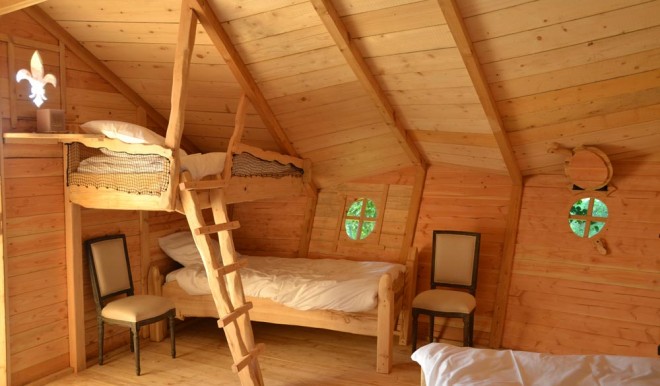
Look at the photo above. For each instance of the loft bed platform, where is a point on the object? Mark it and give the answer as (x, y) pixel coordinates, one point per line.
(108, 173)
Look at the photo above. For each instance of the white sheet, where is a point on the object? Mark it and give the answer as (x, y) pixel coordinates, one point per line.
(199, 165)
(304, 284)
(445, 365)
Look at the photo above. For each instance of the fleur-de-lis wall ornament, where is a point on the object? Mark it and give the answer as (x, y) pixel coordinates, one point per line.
(37, 79)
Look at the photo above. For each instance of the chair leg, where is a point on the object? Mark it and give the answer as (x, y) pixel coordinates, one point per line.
(415, 314)
(101, 337)
(431, 327)
(131, 346)
(136, 343)
(468, 327)
(471, 329)
(172, 336)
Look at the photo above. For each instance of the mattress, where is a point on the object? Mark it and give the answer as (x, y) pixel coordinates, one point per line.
(304, 284)
(445, 365)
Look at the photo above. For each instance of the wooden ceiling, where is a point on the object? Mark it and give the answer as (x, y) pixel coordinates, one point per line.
(363, 87)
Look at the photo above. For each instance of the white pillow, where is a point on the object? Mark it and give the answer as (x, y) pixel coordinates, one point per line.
(123, 131)
(202, 165)
(181, 248)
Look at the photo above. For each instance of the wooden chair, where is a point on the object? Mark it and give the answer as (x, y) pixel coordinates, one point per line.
(454, 265)
(110, 274)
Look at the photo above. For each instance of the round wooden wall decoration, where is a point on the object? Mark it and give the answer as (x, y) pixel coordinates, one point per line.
(589, 168)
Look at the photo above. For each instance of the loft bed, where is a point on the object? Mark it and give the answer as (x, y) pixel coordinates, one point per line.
(444, 364)
(107, 172)
(379, 319)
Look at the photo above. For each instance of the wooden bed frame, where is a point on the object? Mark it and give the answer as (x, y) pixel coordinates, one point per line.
(393, 301)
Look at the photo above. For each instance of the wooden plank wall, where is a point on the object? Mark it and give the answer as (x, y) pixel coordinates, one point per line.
(36, 267)
(566, 297)
(270, 227)
(464, 199)
(396, 187)
(34, 190)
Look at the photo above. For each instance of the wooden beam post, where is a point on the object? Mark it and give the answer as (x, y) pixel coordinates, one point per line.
(355, 60)
(78, 49)
(506, 267)
(5, 372)
(465, 47)
(182, 55)
(9, 6)
(74, 279)
(223, 44)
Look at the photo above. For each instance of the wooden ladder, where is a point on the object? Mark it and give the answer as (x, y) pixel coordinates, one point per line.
(223, 276)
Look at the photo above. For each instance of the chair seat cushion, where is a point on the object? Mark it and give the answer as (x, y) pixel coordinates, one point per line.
(137, 308)
(445, 301)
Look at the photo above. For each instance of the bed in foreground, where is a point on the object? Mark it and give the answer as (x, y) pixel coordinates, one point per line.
(443, 364)
(282, 292)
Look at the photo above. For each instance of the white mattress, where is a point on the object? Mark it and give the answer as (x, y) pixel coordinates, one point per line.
(445, 365)
(304, 284)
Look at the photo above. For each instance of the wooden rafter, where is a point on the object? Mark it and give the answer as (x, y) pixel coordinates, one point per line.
(8, 6)
(355, 60)
(182, 55)
(92, 61)
(223, 44)
(465, 47)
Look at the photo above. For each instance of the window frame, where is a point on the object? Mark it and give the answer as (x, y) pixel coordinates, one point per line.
(374, 236)
(588, 218)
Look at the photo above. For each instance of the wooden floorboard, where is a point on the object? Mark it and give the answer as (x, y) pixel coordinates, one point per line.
(294, 356)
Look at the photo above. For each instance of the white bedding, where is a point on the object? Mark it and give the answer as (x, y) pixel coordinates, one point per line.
(304, 284)
(445, 365)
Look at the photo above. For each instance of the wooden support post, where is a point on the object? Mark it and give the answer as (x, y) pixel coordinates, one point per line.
(74, 275)
(5, 373)
(506, 267)
(385, 325)
(11, 68)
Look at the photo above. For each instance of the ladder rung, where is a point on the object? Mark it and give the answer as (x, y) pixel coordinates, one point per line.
(208, 229)
(258, 349)
(229, 318)
(229, 268)
(203, 184)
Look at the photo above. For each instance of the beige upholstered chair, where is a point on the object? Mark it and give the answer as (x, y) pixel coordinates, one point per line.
(110, 273)
(454, 266)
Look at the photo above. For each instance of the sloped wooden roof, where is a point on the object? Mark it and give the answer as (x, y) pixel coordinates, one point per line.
(363, 87)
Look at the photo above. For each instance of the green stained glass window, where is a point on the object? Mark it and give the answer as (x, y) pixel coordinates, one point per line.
(587, 216)
(360, 219)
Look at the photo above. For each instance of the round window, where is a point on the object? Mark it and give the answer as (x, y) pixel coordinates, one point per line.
(360, 219)
(587, 217)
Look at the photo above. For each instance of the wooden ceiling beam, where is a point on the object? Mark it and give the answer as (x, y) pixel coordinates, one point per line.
(465, 47)
(225, 47)
(464, 44)
(95, 64)
(332, 21)
(9, 6)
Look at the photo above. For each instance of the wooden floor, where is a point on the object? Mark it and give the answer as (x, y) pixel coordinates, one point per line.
(294, 356)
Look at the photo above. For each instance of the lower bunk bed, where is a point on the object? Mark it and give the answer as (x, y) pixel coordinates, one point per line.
(317, 293)
(444, 364)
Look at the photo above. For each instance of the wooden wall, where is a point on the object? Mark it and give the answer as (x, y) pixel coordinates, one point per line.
(35, 261)
(394, 189)
(456, 198)
(566, 297)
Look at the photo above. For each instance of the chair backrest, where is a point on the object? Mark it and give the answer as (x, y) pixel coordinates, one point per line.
(455, 259)
(109, 267)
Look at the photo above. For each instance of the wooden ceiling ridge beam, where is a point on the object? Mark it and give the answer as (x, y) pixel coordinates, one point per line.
(225, 47)
(9, 6)
(332, 21)
(465, 47)
(95, 64)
